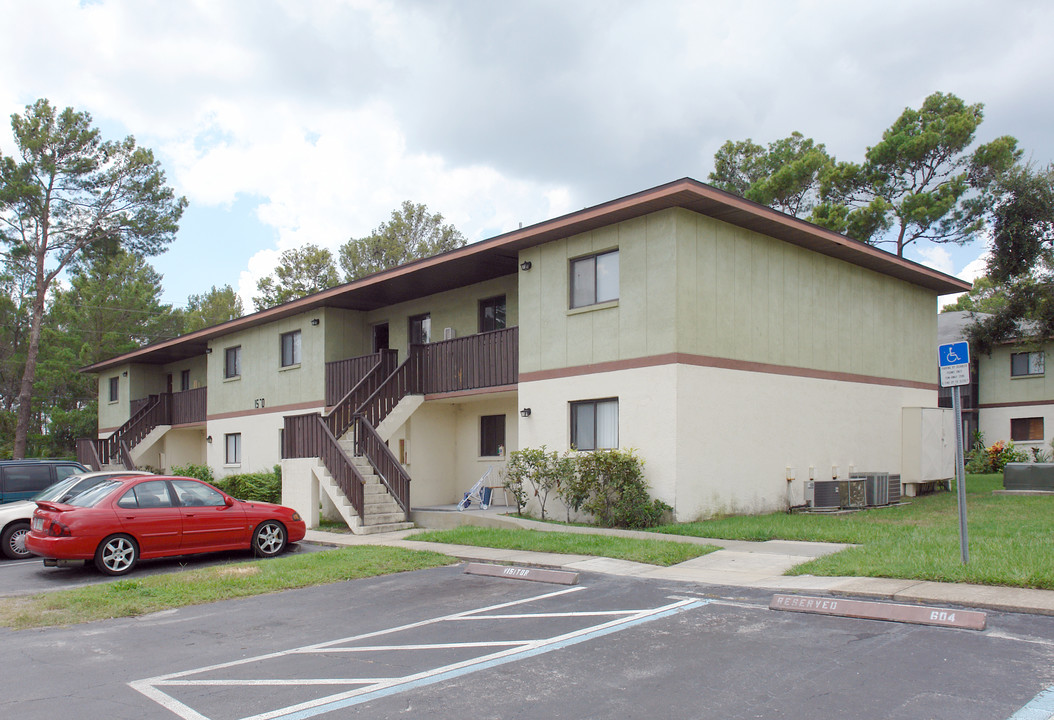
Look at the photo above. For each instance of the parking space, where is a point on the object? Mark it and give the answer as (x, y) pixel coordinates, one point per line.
(443, 644)
(350, 671)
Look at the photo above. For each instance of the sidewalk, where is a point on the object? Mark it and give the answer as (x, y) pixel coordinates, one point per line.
(739, 563)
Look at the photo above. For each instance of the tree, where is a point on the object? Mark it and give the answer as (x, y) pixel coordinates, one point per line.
(300, 272)
(411, 233)
(920, 182)
(69, 194)
(216, 306)
(111, 306)
(784, 176)
(986, 296)
(1022, 260)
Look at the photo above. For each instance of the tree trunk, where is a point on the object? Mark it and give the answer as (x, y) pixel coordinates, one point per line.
(25, 393)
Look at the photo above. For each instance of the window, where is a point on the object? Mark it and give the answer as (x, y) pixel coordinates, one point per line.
(420, 329)
(492, 314)
(594, 279)
(115, 383)
(594, 424)
(1026, 429)
(184, 381)
(232, 448)
(195, 494)
(491, 435)
(152, 494)
(1027, 363)
(232, 362)
(290, 348)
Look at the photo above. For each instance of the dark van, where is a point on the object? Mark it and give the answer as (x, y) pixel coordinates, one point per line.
(22, 479)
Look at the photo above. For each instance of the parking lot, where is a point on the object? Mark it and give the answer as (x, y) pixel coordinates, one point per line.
(443, 644)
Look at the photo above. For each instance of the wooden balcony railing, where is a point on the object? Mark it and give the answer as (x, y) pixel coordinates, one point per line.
(179, 408)
(341, 416)
(489, 359)
(343, 375)
(308, 436)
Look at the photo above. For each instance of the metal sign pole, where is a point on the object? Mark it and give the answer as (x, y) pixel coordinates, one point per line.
(960, 476)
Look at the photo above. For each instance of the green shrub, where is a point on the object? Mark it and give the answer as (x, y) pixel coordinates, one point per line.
(201, 472)
(538, 472)
(255, 487)
(994, 458)
(617, 491)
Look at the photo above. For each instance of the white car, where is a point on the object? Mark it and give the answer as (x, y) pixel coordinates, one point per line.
(15, 517)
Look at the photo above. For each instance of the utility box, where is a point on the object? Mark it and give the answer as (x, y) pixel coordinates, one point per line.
(927, 448)
(1028, 476)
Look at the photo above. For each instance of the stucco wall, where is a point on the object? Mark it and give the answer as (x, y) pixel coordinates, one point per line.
(457, 309)
(720, 441)
(261, 442)
(263, 382)
(996, 385)
(693, 284)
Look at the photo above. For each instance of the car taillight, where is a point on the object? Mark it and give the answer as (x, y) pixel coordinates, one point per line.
(57, 529)
(296, 517)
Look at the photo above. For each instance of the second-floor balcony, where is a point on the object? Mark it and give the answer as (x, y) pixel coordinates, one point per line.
(485, 360)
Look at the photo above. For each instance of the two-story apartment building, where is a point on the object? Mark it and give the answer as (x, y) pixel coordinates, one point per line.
(740, 351)
(1010, 397)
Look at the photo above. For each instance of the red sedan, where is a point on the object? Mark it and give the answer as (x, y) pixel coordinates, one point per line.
(119, 521)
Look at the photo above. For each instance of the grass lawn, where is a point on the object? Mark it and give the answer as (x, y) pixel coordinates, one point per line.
(652, 552)
(140, 595)
(1011, 538)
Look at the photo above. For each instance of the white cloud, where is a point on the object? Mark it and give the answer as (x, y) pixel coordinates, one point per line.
(936, 257)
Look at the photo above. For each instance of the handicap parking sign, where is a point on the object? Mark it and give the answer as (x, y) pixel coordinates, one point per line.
(954, 363)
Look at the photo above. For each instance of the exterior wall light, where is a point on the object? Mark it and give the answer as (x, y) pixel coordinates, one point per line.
(209, 439)
(526, 412)
(208, 351)
(314, 321)
(525, 265)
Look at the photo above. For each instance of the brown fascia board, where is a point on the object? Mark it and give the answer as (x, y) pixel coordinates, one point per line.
(498, 256)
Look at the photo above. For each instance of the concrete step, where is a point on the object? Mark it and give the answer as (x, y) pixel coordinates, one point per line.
(387, 527)
(384, 518)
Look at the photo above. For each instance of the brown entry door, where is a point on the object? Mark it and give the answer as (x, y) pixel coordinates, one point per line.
(380, 337)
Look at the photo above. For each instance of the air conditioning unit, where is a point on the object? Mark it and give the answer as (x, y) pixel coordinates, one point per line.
(449, 333)
(882, 488)
(822, 494)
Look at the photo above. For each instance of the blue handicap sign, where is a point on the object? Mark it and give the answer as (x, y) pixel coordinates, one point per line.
(954, 354)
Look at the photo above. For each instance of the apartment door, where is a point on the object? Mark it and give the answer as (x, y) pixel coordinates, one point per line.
(380, 337)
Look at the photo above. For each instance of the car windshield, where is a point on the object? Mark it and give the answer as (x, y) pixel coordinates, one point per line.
(90, 498)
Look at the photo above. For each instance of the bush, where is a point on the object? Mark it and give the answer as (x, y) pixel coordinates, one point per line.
(992, 459)
(609, 485)
(617, 491)
(255, 487)
(201, 472)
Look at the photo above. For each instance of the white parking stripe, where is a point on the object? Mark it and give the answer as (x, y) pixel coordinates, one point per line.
(361, 690)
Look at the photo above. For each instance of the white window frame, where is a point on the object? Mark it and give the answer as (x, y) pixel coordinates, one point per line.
(236, 353)
(232, 449)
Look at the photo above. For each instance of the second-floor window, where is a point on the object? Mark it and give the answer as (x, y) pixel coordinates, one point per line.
(492, 314)
(184, 381)
(420, 329)
(115, 384)
(594, 279)
(1026, 363)
(290, 342)
(232, 362)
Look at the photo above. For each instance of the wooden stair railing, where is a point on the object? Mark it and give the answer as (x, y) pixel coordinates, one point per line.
(308, 436)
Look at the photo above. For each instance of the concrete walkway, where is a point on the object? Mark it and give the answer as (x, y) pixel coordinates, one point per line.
(739, 563)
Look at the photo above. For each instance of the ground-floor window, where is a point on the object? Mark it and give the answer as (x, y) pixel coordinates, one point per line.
(233, 448)
(1024, 429)
(594, 424)
(491, 435)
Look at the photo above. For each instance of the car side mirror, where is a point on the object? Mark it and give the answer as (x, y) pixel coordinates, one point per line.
(228, 501)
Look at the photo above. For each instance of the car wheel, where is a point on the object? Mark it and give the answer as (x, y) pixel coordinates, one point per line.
(13, 541)
(269, 539)
(116, 555)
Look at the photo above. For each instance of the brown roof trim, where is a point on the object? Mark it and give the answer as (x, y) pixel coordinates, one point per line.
(498, 256)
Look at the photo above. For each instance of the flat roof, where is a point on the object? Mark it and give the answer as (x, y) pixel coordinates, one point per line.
(499, 255)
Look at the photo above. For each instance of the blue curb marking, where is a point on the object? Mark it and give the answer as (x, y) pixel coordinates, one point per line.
(348, 702)
(1041, 707)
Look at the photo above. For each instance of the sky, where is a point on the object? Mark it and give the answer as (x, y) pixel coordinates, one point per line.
(286, 122)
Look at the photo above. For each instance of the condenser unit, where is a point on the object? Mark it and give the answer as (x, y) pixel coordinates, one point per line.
(882, 488)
